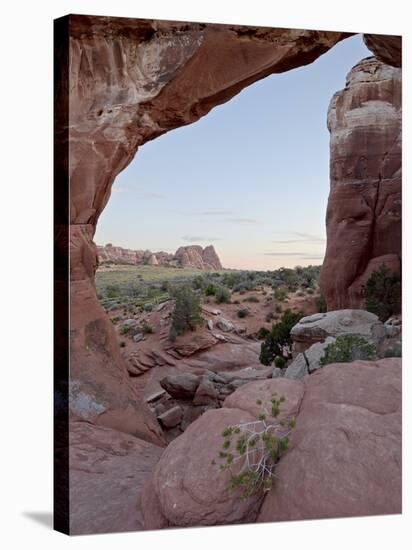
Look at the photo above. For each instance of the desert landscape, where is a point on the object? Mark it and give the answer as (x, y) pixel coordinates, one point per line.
(203, 394)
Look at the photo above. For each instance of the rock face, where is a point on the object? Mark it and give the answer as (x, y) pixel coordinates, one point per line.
(364, 208)
(196, 256)
(100, 390)
(107, 473)
(110, 253)
(182, 481)
(386, 48)
(182, 386)
(245, 397)
(318, 327)
(345, 455)
(309, 360)
(185, 256)
(180, 492)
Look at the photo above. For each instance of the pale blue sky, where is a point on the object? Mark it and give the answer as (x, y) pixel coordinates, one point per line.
(251, 177)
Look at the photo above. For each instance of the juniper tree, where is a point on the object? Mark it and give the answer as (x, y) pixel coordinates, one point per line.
(187, 312)
(383, 293)
(251, 450)
(279, 341)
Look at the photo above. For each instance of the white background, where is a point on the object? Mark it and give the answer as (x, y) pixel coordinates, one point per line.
(26, 272)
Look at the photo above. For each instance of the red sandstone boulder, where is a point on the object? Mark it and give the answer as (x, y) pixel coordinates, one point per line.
(206, 393)
(181, 386)
(246, 396)
(107, 473)
(190, 488)
(184, 494)
(345, 455)
(364, 208)
(190, 343)
(227, 356)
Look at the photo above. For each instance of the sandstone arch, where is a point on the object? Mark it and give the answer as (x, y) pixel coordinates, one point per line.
(120, 83)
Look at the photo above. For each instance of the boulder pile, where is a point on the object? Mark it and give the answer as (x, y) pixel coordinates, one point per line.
(344, 457)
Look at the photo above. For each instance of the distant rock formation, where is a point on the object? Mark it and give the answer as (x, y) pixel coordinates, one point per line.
(196, 256)
(185, 256)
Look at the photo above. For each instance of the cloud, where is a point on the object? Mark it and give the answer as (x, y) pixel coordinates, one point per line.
(303, 255)
(310, 237)
(119, 189)
(197, 239)
(314, 257)
(216, 213)
(284, 254)
(142, 194)
(151, 196)
(243, 221)
(302, 238)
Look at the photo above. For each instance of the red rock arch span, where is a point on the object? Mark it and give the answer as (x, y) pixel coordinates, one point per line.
(125, 82)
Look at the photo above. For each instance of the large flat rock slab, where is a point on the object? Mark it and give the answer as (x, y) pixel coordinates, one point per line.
(107, 471)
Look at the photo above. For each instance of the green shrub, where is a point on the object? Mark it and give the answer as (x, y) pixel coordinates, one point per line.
(348, 348)
(278, 308)
(279, 341)
(280, 294)
(125, 329)
(146, 328)
(257, 446)
(394, 351)
(383, 293)
(112, 291)
(280, 362)
(321, 304)
(269, 317)
(222, 295)
(210, 290)
(244, 312)
(165, 286)
(253, 299)
(199, 282)
(310, 291)
(148, 307)
(132, 289)
(262, 333)
(187, 312)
